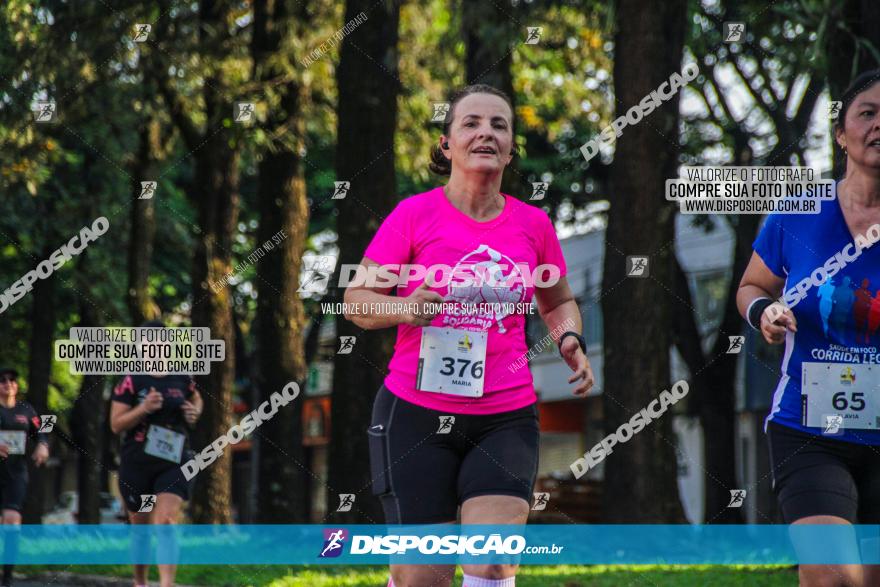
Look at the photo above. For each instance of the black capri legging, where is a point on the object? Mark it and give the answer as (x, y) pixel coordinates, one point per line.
(424, 464)
(816, 475)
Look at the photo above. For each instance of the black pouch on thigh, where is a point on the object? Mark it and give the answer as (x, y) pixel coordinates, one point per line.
(377, 437)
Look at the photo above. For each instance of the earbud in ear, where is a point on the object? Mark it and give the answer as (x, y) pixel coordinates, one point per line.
(445, 144)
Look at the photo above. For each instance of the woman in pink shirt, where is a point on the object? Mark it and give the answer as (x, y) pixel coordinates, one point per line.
(456, 423)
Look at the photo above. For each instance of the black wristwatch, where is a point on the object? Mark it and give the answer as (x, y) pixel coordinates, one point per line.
(579, 338)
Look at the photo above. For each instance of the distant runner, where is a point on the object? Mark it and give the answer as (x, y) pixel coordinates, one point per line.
(18, 423)
(154, 413)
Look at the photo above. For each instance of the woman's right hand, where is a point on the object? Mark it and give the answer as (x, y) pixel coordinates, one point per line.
(418, 312)
(153, 401)
(775, 320)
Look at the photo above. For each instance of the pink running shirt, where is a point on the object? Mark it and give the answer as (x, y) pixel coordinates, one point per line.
(426, 229)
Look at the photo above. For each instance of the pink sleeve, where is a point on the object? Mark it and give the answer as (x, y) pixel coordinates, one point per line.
(551, 254)
(392, 243)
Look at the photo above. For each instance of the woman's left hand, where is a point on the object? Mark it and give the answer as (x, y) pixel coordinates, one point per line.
(190, 413)
(41, 454)
(577, 362)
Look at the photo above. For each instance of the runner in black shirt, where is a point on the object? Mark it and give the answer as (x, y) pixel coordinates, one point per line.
(154, 413)
(170, 393)
(18, 422)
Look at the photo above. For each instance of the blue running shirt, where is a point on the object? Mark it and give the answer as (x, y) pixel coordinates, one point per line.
(838, 320)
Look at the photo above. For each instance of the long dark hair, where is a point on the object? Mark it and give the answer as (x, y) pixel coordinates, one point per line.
(862, 83)
(439, 163)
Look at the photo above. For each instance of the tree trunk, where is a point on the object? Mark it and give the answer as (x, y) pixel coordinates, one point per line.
(87, 418)
(716, 372)
(217, 189)
(489, 37)
(143, 226)
(282, 479)
(39, 371)
(87, 425)
(365, 157)
(215, 196)
(717, 382)
(648, 49)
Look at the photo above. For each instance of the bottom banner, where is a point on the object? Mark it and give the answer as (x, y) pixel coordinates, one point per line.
(449, 544)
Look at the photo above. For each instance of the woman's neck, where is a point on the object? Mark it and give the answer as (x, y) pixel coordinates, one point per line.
(8, 401)
(477, 197)
(861, 190)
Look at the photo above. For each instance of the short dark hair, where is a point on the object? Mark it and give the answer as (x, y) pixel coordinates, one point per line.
(862, 83)
(439, 163)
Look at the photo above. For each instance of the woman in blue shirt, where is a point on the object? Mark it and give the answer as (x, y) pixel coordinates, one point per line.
(824, 425)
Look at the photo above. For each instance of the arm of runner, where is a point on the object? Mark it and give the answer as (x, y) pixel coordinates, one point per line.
(35, 423)
(40, 454)
(560, 313)
(41, 451)
(124, 416)
(759, 282)
(413, 309)
(192, 408)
